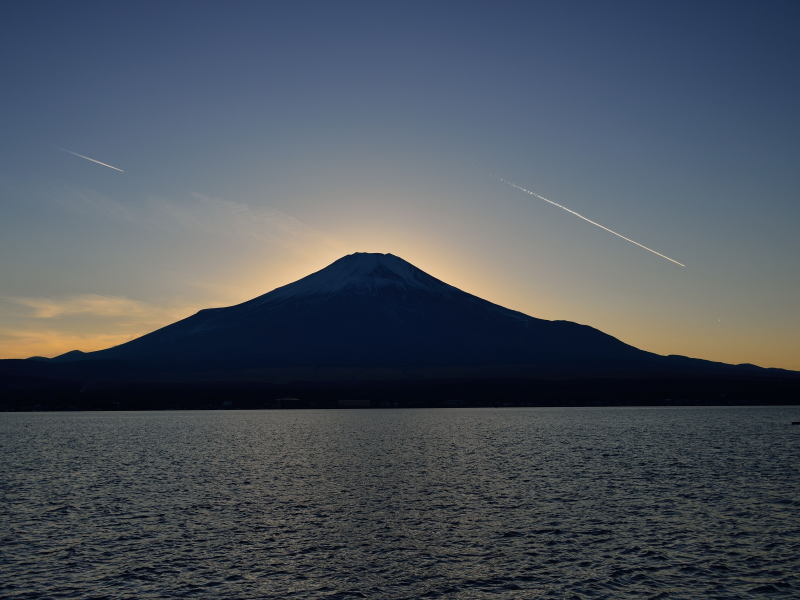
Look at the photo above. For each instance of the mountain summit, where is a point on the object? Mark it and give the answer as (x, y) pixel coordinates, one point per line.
(361, 272)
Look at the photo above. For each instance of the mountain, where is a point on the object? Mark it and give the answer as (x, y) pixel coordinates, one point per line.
(374, 310)
(370, 320)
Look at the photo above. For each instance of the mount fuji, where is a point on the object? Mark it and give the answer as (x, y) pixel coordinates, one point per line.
(375, 325)
(376, 310)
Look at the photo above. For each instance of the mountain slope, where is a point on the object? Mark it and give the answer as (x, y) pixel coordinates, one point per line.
(374, 330)
(369, 310)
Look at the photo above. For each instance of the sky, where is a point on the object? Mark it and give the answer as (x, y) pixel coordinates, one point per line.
(256, 142)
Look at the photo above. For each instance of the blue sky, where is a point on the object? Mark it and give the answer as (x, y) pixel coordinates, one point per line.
(260, 141)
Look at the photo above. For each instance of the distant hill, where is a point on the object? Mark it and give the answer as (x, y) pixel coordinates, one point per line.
(368, 324)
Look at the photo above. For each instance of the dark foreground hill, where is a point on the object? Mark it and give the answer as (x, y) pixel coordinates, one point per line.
(372, 329)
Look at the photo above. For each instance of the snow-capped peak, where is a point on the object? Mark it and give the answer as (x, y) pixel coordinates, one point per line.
(361, 272)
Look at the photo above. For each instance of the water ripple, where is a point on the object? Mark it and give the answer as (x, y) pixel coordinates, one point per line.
(456, 504)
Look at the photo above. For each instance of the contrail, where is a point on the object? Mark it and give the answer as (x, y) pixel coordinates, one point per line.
(94, 160)
(627, 239)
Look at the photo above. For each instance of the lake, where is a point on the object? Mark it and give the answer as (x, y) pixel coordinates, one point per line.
(388, 504)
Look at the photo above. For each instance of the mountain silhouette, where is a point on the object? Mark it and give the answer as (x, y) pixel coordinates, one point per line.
(376, 320)
(369, 310)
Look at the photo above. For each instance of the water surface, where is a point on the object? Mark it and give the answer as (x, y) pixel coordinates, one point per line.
(390, 504)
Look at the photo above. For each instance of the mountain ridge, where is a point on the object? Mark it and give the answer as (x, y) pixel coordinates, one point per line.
(360, 274)
(374, 309)
(375, 327)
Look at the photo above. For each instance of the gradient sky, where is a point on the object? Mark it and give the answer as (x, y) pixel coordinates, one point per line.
(262, 140)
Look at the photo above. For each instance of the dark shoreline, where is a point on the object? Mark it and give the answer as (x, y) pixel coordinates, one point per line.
(48, 395)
